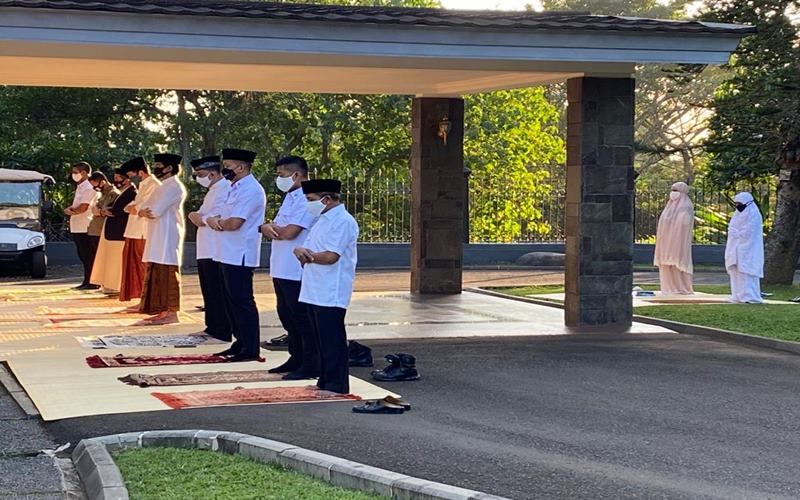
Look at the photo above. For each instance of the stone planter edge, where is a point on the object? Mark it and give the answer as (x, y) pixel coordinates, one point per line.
(103, 480)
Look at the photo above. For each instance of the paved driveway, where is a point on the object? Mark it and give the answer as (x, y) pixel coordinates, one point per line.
(594, 416)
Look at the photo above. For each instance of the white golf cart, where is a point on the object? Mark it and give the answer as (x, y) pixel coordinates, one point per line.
(21, 203)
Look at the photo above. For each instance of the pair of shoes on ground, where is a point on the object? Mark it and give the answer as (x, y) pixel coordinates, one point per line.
(235, 356)
(389, 405)
(402, 367)
(359, 355)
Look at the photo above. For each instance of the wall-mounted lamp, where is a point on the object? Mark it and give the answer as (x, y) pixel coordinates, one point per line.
(444, 129)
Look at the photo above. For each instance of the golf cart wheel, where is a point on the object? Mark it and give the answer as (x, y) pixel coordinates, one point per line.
(38, 264)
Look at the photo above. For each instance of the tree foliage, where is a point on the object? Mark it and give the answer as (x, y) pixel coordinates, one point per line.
(757, 110)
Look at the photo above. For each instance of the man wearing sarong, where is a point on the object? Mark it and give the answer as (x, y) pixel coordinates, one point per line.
(112, 241)
(239, 252)
(133, 267)
(329, 258)
(287, 232)
(163, 250)
(208, 173)
(108, 195)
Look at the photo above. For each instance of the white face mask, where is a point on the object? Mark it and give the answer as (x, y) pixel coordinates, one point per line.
(77, 177)
(315, 207)
(674, 195)
(204, 181)
(284, 183)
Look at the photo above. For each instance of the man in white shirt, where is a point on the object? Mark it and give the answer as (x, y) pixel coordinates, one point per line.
(239, 250)
(133, 266)
(163, 249)
(287, 232)
(80, 215)
(208, 173)
(329, 259)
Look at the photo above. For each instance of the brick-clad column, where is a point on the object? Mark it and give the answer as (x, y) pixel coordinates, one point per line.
(437, 196)
(599, 227)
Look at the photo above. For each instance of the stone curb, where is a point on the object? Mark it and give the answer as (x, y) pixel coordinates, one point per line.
(102, 478)
(16, 391)
(682, 328)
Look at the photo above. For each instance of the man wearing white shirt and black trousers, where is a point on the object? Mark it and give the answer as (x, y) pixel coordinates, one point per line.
(329, 259)
(208, 173)
(287, 232)
(80, 215)
(239, 250)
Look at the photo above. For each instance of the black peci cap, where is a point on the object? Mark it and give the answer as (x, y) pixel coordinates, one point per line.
(206, 162)
(167, 158)
(322, 186)
(133, 165)
(238, 154)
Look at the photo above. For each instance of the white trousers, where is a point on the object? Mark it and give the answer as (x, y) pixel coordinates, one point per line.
(745, 288)
(674, 281)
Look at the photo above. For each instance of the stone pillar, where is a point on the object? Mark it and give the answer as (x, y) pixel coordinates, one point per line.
(437, 196)
(599, 226)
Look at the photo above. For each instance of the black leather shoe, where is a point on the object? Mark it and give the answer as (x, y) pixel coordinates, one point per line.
(359, 355)
(279, 341)
(379, 407)
(298, 375)
(227, 352)
(402, 367)
(242, 357)
(287, 367)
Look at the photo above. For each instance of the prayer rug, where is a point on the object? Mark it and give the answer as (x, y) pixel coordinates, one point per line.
(171, 379)
(126, 341)
(241, 396)
(121, 360)
(123, 321)
(78, 311)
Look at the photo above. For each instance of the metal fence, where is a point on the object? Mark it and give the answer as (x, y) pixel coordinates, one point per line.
(382, 207)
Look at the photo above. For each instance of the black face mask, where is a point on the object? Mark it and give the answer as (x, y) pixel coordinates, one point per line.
(158, 172)
(228, 174)
(119, 185)
(740, 207)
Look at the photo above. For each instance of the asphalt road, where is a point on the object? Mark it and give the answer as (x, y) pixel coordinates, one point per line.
(595, 417)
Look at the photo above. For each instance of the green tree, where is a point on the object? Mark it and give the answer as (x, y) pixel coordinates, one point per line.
(756, 128)
(512, 143)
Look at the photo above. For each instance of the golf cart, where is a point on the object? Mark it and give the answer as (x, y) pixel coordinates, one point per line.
(21, 237)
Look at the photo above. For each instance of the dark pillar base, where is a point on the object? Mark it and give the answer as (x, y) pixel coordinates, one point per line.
(600, 191)
(438, 194)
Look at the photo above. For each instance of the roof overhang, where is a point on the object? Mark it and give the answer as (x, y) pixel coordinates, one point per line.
(101, 48)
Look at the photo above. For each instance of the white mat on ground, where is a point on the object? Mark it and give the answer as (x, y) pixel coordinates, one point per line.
(61, 385)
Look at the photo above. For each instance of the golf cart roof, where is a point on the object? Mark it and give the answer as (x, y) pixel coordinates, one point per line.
(12, 175)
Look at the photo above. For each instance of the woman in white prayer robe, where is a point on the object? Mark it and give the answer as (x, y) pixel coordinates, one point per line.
(673, 255)
(744, 252)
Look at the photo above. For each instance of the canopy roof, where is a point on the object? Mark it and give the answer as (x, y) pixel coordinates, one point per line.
(236, 45)
(12, 175)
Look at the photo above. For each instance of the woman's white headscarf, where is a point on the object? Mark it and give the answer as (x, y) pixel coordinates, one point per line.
(676, 232)
(745, 247)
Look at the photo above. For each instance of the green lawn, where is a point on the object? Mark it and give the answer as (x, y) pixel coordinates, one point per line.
(167, 473)
(780, 321)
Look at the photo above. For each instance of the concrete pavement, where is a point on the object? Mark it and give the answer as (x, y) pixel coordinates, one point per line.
(591, 416)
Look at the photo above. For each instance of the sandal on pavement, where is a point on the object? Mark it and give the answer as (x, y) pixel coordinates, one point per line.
(379, 407)
(397, 401)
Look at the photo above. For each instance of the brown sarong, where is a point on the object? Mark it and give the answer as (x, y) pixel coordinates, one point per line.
(133, 270)
(162, 289)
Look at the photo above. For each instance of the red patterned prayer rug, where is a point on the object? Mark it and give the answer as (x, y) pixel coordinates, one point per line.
(241, 396)
(120, 360)
(169, 379)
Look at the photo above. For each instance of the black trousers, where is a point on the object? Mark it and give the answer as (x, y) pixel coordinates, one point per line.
(87, 249)
(331, 337)
(241, 308)
(303, 351)
(218, 325)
